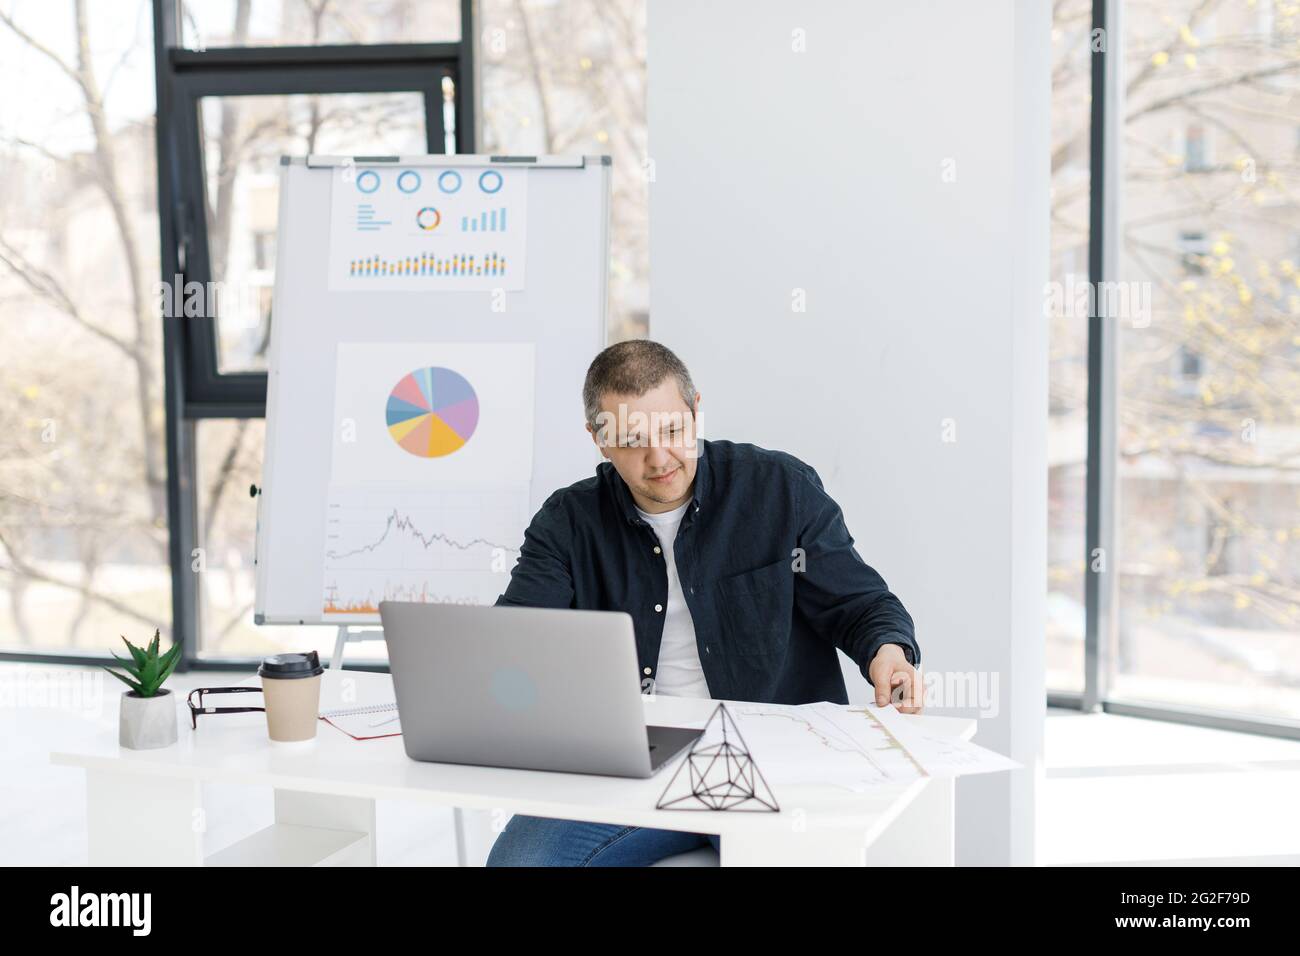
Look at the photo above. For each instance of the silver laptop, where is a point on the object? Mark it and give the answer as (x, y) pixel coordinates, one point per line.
(535, 688)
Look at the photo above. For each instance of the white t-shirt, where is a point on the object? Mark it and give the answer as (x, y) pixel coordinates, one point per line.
(679, 673)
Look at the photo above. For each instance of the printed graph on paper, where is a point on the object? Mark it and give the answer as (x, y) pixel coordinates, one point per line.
(444, 546)
(821, 744)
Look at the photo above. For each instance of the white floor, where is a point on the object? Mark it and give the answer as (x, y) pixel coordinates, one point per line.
(1117, 789)
(1120, 790)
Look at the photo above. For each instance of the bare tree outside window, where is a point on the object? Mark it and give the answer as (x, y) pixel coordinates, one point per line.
(1208, 549)
(83, 498)
(570, 78)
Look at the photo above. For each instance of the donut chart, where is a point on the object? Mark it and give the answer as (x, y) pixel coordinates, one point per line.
(428, 218)
(432, 412)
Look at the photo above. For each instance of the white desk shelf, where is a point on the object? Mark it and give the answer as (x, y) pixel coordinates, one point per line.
(286, 844)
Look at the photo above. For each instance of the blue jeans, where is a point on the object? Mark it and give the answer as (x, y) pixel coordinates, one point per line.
(538, 841)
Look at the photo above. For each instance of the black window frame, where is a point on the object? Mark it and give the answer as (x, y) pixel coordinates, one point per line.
(195, 388)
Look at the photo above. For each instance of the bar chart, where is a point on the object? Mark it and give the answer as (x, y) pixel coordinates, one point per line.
(428, 264)
(492, 220)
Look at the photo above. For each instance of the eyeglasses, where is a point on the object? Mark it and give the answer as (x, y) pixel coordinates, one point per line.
(196, 709)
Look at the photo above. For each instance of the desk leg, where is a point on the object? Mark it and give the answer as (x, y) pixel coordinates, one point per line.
(462, 838)
(140, 820)
(922, 835)
(330, 812)
(474, 836)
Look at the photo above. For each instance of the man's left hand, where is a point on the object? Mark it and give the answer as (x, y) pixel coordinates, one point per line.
(895, 679)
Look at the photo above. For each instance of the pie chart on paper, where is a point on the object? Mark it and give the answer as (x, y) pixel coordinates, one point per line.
(432, 412)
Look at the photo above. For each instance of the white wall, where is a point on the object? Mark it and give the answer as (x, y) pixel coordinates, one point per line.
(823, 171)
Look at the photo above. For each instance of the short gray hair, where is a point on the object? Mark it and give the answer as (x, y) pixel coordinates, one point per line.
(633, 368)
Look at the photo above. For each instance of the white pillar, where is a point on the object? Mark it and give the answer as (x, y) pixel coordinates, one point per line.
(848, 247)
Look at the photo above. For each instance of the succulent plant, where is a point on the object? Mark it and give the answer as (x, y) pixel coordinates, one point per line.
(148, 668)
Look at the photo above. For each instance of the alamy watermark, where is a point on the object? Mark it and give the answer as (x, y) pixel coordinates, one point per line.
(179, 299)
(1078, 298)
(626, 428)
(68, 689)
(955, 690)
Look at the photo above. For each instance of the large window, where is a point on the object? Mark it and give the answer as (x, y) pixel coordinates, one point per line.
(1175, 430)
(1208, 435)
(83, 468)
(1174, 452)
(569, 78)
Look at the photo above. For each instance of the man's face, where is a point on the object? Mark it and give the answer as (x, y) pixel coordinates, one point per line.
(650, 440)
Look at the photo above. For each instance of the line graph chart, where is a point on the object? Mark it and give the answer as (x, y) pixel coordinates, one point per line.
(444, 546)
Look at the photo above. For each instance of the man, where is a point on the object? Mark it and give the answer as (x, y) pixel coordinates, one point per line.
(736, 566)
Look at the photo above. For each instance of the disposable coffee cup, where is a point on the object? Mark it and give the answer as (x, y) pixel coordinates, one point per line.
(291, 692)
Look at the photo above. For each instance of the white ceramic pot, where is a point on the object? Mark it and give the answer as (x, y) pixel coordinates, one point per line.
(147, 722)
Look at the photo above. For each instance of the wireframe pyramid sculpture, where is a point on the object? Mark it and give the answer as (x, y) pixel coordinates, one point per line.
(720, 775)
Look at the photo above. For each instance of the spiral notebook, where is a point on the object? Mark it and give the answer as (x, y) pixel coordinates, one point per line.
(365, 722)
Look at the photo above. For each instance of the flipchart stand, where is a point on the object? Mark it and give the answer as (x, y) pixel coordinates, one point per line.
(347, 634)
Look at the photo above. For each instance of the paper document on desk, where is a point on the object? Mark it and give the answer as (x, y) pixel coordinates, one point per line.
(805, 744)
(853, 747)
(365, 723)
(939, 755)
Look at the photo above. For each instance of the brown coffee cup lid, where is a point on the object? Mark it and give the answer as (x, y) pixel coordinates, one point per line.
(291, 666)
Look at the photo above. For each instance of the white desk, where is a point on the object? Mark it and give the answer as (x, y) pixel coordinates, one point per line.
(325, 796)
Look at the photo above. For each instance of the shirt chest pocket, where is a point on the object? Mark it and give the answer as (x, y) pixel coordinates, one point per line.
(755, 608)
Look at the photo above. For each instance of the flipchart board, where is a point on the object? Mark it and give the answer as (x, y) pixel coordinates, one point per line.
(433, 319)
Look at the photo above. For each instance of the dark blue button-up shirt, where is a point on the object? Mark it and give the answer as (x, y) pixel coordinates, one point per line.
(767, 567)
